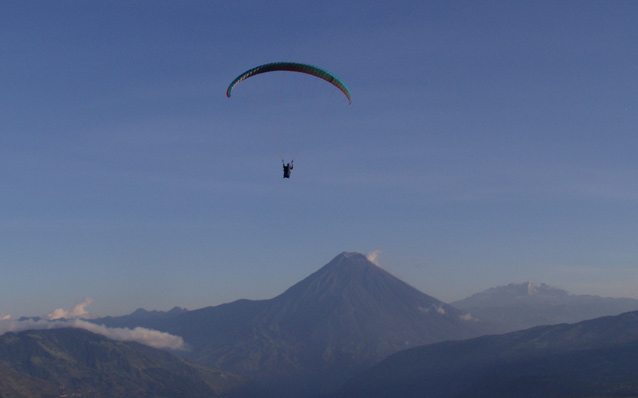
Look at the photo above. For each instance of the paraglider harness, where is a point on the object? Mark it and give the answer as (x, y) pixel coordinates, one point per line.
(287, 168)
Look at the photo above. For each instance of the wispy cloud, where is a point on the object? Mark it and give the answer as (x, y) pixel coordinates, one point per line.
(149, 337)
(466, 317)
(373, 257)
(78, 310)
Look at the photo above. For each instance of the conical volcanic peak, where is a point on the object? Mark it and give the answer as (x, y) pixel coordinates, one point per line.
(348, 262)
(347, 272)
(353, 298)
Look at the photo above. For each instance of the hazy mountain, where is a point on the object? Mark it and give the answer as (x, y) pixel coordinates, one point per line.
(75, 362)
(341, 319)
(139, 317)
(595, 358)
(523, 305)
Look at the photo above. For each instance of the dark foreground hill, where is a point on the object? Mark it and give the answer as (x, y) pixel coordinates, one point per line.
(520, 306)
(595, 358)
(338, 321)
(74, 362)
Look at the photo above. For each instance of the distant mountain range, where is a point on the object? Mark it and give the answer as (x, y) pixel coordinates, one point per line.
(338, 321)
(520, 306)
(76, 363)
(348, 317)
(595, 358)
(139, 316)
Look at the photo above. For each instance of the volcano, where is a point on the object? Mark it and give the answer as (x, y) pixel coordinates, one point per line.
(345, 317)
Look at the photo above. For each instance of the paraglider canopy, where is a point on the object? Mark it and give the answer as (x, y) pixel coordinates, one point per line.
(292, 67)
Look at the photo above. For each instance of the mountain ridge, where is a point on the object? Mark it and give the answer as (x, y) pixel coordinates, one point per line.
(589, 358)
(76, 362)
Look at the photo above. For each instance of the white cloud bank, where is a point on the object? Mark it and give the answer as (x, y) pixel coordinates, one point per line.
(62, 318)
(149, 337)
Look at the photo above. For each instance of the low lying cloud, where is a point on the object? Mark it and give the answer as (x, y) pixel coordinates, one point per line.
(62, 318)
(149, 337)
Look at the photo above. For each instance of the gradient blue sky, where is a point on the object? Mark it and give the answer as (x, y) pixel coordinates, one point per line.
(488, 142)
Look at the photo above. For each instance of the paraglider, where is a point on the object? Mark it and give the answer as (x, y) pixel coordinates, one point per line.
(291, 67)
(287, 168)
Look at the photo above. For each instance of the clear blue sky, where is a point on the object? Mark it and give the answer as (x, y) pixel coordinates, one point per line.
(488, 142)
